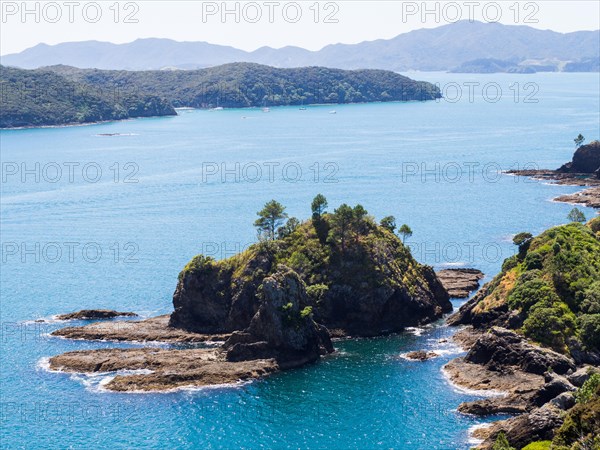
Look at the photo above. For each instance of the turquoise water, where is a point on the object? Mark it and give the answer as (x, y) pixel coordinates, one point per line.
(120, 242)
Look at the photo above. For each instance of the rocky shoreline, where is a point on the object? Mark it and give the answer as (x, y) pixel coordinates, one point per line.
(280, 336)
(534, 383)
(155, 329)
(163, 369)
(519, 353)
(262, 317)
(588, 197)
(583, 170)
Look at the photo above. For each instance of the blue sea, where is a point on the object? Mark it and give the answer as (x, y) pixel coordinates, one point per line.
(106, 215)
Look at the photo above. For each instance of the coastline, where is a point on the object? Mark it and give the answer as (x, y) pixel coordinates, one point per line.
(190, 108)
(83, 124)
(590, 196)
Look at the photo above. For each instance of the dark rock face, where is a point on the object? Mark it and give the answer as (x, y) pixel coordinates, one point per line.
(94, 314)
(364, 311)
(539, 425)
(580, 376)
(497, 316)
(582, 355)
(215, 300)
(563, 401)
(212, 297)
(282, 328)
(555, 386)
(585, 160)
(489, 407)
(500, 348)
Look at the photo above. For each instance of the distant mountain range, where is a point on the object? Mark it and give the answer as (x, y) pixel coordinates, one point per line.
(512, 48)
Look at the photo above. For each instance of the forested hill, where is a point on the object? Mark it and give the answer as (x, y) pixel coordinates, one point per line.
(30, 98)
(246, 85)
(65, 95)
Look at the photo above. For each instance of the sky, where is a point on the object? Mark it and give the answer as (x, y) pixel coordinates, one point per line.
(252, 24)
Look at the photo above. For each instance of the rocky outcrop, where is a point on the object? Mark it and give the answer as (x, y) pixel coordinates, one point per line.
(588, 197)
(555, 386)
(370, 288)
(537, 296)
(500, 348)
(564, 401)
(583, 170)
(364, 310)
(585, 160)
(283, 327)
(512, 389)
(420, 355)
(503, 362)
(161, 369)
(281, 335)
(582, 374)
(155, 329)
(212, 298)
(86, 314)
(538, 425)
(460, 282)
(471, 314)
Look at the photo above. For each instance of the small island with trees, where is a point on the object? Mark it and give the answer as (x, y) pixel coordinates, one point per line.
(275, 305)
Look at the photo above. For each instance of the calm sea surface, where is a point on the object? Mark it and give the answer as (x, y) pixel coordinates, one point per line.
(90, 220)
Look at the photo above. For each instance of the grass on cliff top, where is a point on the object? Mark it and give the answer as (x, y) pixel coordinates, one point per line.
(554, 282)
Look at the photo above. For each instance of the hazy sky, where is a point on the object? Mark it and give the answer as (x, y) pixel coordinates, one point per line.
(249, 25)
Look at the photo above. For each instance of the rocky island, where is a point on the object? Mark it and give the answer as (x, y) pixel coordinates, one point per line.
(533, 335)
(87, 314)
(274, 306)
(583, 170)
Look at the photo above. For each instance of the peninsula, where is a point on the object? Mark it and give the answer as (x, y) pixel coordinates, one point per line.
(61, 95)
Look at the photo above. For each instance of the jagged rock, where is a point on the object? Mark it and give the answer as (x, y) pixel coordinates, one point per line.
(391, 306)
(580, 376)
(585, 160)
(564, 401)
(488, 407)
(283, 327)
(501, 348)
(460, 282)
(515, 388)
(210, 298)
(555, 385)
(582, 355)
(421, 355)
(85, 314)
(539, 425)
(466, 314)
